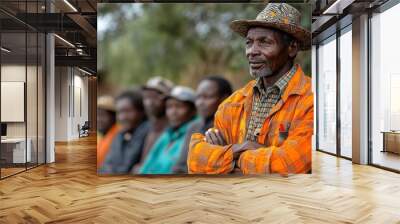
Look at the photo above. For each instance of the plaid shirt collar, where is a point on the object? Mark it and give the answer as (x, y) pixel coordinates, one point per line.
(280, 85)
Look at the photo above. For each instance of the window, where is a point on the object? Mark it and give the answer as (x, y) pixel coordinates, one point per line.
(346, 75)
(327, 95)
(385, 89)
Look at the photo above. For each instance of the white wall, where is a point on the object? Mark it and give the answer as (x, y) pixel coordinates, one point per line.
(17, 73)
(61, 103)
(13, 73)
(71, 94)
(33, 126)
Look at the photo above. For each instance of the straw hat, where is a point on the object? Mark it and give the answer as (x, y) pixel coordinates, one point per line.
(279, 16)
(106, 103)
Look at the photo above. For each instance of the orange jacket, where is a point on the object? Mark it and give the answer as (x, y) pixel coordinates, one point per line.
(104, 144)
(286, 150)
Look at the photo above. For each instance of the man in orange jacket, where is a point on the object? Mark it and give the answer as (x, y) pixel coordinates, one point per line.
(265, 127)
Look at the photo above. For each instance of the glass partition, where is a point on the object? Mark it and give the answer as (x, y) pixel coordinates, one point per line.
(31, 98)
(22, 78)
(14, 153)
(41, 96)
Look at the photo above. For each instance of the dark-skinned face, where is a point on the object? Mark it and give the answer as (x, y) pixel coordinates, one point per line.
(178, 112)
(105, 120)
(265, 51)
(154, 103)
(208, 98)
(128, 116)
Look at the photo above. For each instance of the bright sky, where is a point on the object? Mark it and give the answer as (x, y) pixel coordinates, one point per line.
(107, 22)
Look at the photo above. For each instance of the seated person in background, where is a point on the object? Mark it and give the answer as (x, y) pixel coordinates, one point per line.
(107, 128)
(126, 148)
(155, 94)
(265, 127)
(181, 112)
(211, 92)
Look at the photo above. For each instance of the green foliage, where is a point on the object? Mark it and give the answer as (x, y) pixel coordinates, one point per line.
(183, 42)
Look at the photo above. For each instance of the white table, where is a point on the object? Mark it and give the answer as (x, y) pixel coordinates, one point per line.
(19, 155)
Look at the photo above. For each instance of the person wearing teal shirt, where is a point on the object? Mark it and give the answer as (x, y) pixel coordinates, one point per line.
(181, 113)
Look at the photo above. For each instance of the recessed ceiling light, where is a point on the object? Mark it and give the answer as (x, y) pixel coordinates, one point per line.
(84, 71)
(70, 5)
(338, 6)
(5, 50)
(64, 40)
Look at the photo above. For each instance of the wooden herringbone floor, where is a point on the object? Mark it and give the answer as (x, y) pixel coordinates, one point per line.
(69, 191)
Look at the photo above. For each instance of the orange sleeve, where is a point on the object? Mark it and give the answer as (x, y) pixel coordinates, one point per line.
(205, 158)
(104, 144)
(293, 156)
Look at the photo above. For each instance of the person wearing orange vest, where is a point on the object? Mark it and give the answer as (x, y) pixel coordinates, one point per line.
(107, 128)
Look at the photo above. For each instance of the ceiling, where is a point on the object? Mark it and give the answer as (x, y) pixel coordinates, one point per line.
(331, 15)
(73, 21)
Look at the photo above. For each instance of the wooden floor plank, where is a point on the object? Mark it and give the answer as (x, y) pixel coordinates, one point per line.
(69, 191)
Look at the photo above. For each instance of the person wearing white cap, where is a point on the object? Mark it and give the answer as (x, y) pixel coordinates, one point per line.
(154, 93)
(181, 113)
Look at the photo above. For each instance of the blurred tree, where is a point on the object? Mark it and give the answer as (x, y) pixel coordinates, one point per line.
(183, 42)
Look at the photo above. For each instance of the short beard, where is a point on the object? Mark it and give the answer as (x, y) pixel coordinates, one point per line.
(265, 72)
